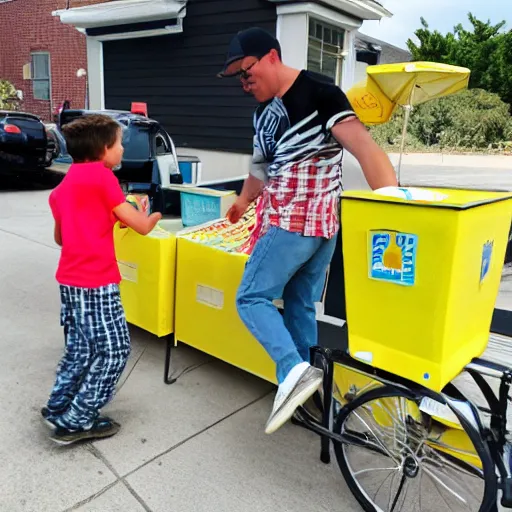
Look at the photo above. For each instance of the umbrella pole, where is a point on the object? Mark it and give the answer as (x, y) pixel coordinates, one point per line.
(408, 109)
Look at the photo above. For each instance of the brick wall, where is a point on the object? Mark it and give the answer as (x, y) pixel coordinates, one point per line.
(28, 26)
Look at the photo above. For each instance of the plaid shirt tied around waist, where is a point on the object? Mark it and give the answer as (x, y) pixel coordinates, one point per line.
(304, 197)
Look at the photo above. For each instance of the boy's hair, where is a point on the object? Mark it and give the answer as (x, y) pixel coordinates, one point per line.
(87, 137)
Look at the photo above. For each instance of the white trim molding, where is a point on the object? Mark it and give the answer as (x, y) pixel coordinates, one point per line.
(122, 12)
(95, 79)
(168, 30)
(321, 13)
(361, 9)
(292, 33)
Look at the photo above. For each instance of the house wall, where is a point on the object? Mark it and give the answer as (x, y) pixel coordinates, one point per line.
(176, 75)
(28, 26)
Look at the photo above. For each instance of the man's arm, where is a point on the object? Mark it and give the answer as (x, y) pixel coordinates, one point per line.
(138, 221)
(57, 234)
(356, 139)
(252, 189)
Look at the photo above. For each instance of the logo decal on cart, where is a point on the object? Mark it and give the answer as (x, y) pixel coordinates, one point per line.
(392, 257)
(486, 259)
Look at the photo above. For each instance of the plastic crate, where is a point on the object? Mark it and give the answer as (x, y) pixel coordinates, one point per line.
(201, 205)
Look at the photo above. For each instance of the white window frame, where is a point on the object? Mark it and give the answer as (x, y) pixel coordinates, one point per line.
(339, 54)
(36, 79)
(293, 34)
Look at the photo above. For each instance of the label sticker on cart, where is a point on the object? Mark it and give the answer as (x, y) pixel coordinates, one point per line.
(486, 259)
(392, 257)
(128, 271)
(438, 410)
(210, 296)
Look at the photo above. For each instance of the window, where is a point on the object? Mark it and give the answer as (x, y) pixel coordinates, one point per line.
(135, 142)
(162, 144)
(325, 49)
(41, 76)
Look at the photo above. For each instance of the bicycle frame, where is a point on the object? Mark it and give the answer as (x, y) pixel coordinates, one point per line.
(495, 435)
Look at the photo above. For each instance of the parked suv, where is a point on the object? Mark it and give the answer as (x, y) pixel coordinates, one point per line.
(24, 141)
(150, 163)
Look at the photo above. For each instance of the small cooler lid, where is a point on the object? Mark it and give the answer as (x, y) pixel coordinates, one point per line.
(454, 199)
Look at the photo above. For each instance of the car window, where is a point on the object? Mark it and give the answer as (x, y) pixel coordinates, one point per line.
(135, 142)
(162, 144)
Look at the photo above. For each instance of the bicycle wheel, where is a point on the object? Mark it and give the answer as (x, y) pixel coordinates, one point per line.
(400, 459)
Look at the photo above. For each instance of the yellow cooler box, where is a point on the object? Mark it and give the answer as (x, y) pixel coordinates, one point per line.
(148, 267)
(210, 266)
(422, 277)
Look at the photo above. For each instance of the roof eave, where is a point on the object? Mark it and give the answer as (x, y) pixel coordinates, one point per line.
(121, 12)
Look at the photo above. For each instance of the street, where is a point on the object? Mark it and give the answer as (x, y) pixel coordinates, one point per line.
(197, 445)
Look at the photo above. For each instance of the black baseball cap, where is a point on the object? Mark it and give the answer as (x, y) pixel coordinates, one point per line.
(252, 42)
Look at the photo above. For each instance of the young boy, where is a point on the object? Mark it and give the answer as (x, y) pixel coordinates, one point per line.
(85, 207)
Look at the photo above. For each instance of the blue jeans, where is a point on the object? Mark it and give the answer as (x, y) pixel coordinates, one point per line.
(292, 267)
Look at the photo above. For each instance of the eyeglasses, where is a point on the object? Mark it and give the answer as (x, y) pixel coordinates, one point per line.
(244, 73)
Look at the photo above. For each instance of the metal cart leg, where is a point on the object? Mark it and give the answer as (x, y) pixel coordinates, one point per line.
(168, 354)
(325, 442)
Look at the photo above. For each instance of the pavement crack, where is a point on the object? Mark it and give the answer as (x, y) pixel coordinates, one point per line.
(97, 453)
(132, 491)
(29, 239)
(181, 443)
(92, 498)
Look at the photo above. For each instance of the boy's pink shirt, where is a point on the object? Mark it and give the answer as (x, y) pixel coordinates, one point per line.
(82, 205)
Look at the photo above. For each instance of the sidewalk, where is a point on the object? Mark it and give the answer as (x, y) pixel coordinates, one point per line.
(448, 160)
(195, 446)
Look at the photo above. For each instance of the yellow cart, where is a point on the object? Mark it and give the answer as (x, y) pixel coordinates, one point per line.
(148, 270)
(206, 316)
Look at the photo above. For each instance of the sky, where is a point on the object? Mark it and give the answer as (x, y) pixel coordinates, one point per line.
(441, 15)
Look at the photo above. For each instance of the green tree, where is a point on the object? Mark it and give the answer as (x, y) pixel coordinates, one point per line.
(7, 92)
(485, 49)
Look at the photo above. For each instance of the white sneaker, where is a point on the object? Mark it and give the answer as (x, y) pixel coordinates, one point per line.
(299, 385)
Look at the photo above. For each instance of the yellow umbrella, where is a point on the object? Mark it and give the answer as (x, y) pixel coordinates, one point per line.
(389, 86)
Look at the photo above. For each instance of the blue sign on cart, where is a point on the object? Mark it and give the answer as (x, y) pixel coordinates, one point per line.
(486, 259)
(392, 257)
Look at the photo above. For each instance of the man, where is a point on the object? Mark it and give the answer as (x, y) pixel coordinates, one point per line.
(301, 127)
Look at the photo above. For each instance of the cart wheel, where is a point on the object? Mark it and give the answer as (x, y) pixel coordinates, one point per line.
(401, 459)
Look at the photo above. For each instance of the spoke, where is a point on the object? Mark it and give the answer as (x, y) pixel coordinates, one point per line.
(442, 497)
(371, 470)
(380, 486)
(456, 483)
(441, 462)
(400, 487)
(437, 479)
(376, 438)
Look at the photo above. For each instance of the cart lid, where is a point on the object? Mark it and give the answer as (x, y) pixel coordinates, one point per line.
(453, 199)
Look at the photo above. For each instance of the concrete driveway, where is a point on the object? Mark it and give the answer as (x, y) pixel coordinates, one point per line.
(195, 446)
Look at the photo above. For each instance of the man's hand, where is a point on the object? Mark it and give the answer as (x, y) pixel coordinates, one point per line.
(138, 221)
(250, 192)
(237, 210)
(356, 139)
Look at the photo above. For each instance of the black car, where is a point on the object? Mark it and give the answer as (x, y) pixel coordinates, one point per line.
(24, 142)
(150, 163)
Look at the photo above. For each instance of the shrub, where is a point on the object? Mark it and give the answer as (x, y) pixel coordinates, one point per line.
(473, 119)
(7, 93)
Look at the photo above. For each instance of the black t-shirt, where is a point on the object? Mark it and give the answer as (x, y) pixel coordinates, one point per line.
(297, 126)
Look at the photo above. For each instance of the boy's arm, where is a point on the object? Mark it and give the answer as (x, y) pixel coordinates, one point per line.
(138, 221)
(125, 212)
(57, 235)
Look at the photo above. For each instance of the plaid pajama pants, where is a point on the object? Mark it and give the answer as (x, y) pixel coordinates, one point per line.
(96, 352)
